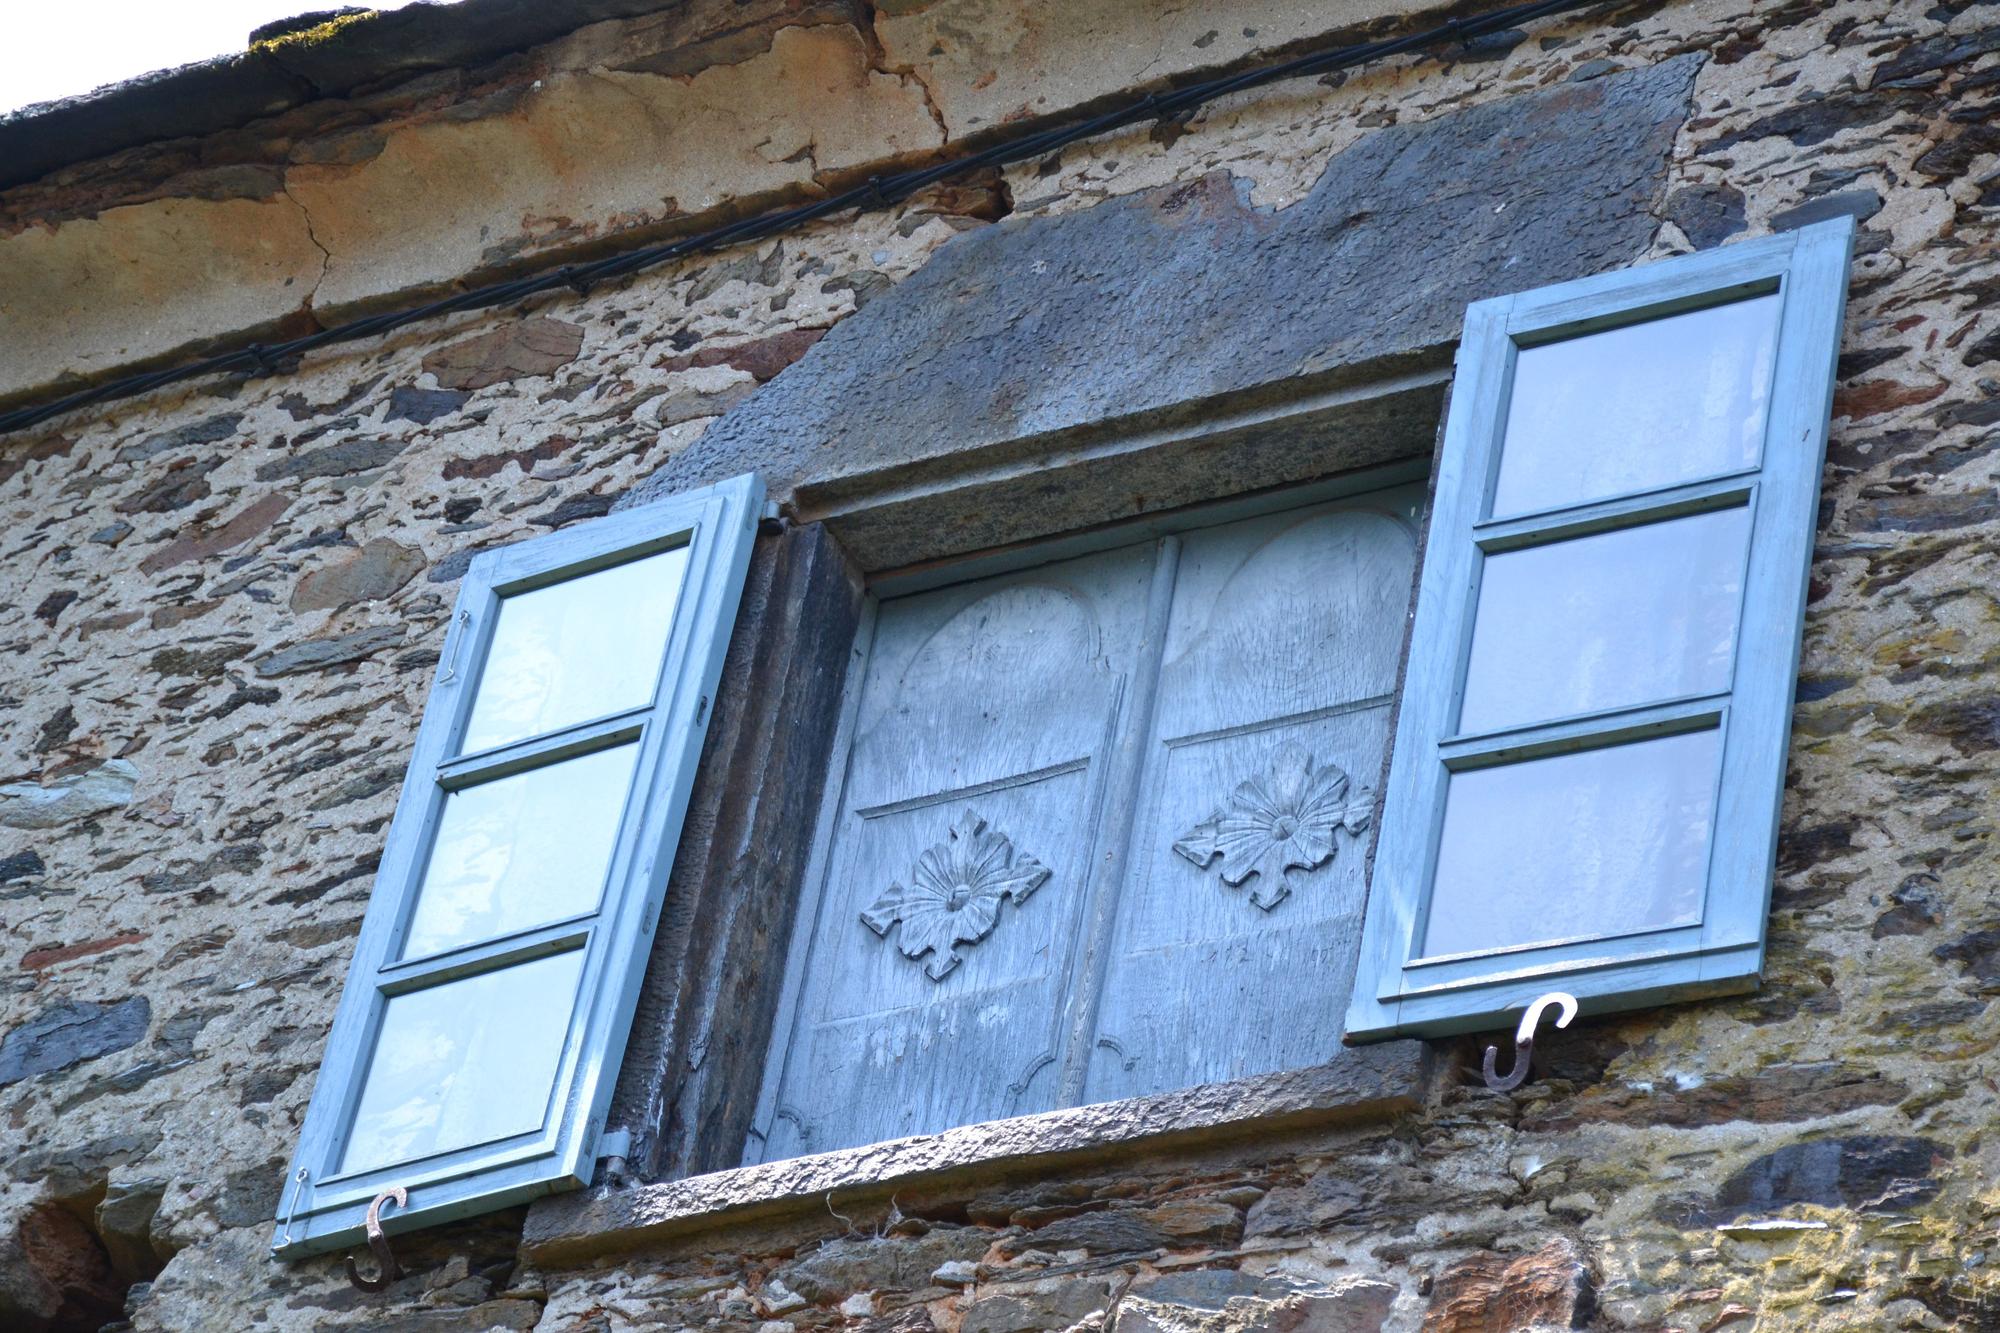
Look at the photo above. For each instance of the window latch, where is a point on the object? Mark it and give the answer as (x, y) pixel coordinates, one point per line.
(1524, 1041)
(388, 1269)
(450, 672)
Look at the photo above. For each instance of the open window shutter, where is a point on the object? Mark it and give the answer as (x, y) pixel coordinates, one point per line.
(1590, 751)
(493, 984)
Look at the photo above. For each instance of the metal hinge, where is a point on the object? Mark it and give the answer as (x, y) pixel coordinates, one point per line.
(613, 1147)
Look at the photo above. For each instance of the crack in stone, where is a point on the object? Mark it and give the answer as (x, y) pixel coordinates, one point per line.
(325, 255)
(909, 76)
(878, 62)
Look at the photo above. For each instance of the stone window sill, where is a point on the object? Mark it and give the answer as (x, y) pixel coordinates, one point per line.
(1362, 1083)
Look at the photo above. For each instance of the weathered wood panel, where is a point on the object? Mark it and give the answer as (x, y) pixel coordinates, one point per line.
(1238, 925)
(933, 992)
(689, 1084)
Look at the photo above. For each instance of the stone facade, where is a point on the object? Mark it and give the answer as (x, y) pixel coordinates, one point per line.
(220, 606)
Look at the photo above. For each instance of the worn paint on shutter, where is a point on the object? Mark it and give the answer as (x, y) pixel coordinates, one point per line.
(1266, 746)
(965, 836)
(1039, 889)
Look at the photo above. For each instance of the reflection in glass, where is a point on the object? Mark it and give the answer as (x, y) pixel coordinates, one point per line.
(1600, 842)
(1631, 408)
(464, 1063)
(576, 650)
(1598, 622)
(521, 851)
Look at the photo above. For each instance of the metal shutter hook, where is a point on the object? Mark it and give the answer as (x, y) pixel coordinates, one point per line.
(1524, 1041)
(390, 1269)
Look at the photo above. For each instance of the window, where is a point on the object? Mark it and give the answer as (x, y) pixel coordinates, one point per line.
(1098, 815)
(492, 986)
(1590, 748)
(1092, 824)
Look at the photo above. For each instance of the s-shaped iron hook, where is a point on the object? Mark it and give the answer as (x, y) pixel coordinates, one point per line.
(1524, 1041)
(390, 1269)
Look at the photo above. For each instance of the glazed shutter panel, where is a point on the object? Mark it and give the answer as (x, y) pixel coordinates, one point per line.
(939, 957)
(1238, 925)
(1590, 751)
(492, 987)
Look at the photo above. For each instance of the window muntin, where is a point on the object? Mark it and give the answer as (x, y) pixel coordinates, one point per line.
(1527, 848)
(463, 1063)
(1096, 714)
(521, 850)
(494, 980)
(1590, 745)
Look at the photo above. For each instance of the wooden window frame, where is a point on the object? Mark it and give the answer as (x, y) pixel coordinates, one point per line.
(903, 529)
(1396, 992)
(322, 1208)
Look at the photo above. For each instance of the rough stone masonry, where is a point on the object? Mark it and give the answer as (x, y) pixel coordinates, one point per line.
(220, 606)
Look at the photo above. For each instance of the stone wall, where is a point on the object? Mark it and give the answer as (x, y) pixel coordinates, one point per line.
(219, 608)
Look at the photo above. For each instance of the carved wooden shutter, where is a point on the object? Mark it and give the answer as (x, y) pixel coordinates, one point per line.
(1238, 926)
(493, 984)
(955, 883)
(1590, 749)
(1001, 906)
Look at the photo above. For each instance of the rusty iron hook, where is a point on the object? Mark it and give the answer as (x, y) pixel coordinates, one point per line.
(1524, 1041)
(390, 1269)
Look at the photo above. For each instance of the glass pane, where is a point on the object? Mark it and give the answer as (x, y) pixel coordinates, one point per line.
(464, 1063)
(1603, 621)
(522, 850)
(1636, 407)
(1602, 842)
(576, 650)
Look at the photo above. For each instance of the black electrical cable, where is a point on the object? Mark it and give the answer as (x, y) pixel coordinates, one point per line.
(875, 192)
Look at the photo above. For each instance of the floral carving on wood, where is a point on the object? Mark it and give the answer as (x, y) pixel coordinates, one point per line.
(954, 894)
(1279, 821)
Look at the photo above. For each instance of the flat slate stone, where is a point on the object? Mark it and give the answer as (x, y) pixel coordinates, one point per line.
(1362, 1083)
(1871, 1173)
(1145, 308)
(70, 1033)
(318, 654)
(75, 796)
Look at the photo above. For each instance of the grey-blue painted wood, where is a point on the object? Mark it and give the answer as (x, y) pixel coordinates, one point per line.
(1034, 890)
(1583, 796)
(492, 986)
(1238, 926)
(945, 931)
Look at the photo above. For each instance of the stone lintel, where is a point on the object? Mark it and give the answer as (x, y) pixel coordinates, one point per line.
(1358, 1085)
(986, 500)
(1165, 308)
